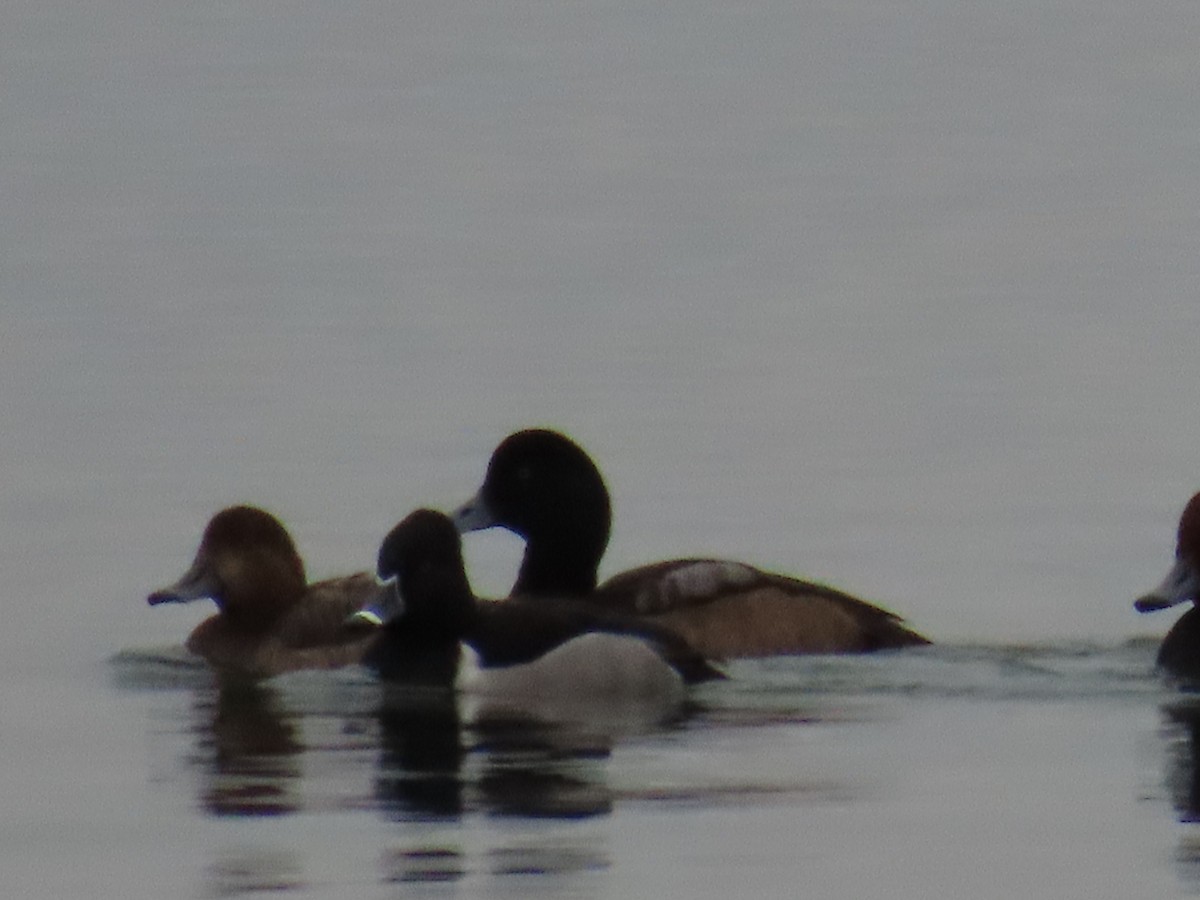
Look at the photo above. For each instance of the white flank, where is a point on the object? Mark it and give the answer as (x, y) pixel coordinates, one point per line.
(597, 665)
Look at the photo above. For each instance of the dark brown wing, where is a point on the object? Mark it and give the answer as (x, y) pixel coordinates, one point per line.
(310, 635)
(320, 616)
(726, 609)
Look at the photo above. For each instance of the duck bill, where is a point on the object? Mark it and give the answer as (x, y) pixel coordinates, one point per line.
(196, 584)
(1180, 585)
(474, 515)
(386, 606)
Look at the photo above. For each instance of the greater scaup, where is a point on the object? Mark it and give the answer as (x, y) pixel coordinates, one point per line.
(546, 489)
(1180, 650)
(270, 619)
(436, 632)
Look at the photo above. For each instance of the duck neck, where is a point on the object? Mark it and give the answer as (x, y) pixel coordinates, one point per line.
(559, 567)
(442, 606)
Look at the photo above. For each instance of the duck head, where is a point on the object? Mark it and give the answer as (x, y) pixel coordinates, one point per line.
(422, 580)
(543, 487)
(247, 564)
(1183, 581)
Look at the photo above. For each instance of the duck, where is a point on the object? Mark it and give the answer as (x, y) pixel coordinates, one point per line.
(269, 619)
(1179, 653)
(435, 632)
(547, 490)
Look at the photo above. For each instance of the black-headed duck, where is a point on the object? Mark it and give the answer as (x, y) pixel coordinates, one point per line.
(270, 619)
(436, 632)
(546, 489)
(1180, 650)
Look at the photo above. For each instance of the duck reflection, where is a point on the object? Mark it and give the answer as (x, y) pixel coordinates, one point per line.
(1182, 735)
(421, 754)
(1183, 763)
(254, 871)
(555, 863)
(434, 757)
(249, 750)
(444, 759)
(441, 759)
(541, 769)
(438, 755)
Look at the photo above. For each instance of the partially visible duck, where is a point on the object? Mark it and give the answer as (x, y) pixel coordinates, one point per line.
(1180, 650)
(436, 632)
(269, 619)
(546, 489)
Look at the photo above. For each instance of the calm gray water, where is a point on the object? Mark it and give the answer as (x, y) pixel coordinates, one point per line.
(899, 297)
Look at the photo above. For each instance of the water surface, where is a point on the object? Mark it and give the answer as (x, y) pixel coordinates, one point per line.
(900, 298)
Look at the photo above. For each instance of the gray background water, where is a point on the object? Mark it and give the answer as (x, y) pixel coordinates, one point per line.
(900, 297)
